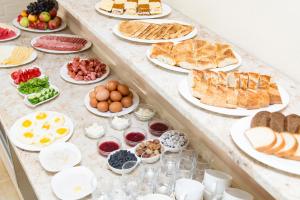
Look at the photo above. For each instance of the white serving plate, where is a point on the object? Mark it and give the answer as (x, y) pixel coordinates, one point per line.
(125, 111)
(5, 52)
(87, 45)
(62, 27)
(33, 106)
(237, 133)
(185, 92)
(49, 156)
(30, 147)
(166, 10)
(17, 31)
(120, 171)
(185, 70)
(41, 76)
(73, 183)
(157, 21)
(64, 74)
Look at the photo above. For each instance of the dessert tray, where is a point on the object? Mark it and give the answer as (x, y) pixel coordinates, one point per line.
(37, 130)
(49, 43)
(151, 29)
(10, 56)
(60, 28)
(237, 133)
(166, 10)
(16, 32)
(186, 92)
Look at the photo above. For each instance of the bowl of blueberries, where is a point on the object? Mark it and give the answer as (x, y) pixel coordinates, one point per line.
(117, 159)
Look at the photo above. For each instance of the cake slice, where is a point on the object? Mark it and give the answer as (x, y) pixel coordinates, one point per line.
(280, 143)
(143, 9)
(261, 138)
(130, 7)
(274, 93)
(106, 5)
(290, 147)
(155, 7)
(118, 8)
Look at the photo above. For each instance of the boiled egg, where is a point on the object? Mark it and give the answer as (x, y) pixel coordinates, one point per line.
(44, 140)
(27, 137)
(58, 120)
(61, 132)
(41, 116)
(27, 123)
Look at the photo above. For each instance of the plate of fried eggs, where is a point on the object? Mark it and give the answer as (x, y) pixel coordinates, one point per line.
(37, 130)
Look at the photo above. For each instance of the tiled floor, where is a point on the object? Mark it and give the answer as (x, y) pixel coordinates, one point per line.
(7, 189)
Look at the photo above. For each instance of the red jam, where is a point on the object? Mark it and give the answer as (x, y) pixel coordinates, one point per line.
(158, 128)
(107, 147)
(133, 138)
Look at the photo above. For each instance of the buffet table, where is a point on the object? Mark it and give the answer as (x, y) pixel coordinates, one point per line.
(159, 87)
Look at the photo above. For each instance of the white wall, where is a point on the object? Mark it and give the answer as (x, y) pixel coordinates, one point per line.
(268, 29)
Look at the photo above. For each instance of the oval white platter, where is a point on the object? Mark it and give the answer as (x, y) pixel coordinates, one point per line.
(62, 27)
(237, 133)
(41, 76)
(136, 101)
(64, 74)
(86, 46)
(33, 106)
(166, 10)
(185, 92)
(186, 71)
(5, 52)
(31, 147)
(74, 183)
(17, 31)
(59, 156)
(157, 21)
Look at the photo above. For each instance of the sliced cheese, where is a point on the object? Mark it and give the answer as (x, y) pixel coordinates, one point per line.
(261, 138)
(290, 147)
(280, 142)
(296, 155)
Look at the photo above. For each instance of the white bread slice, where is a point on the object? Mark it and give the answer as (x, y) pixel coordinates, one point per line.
(290, 147)
(280, 142)
(296, 155)
(261, 138)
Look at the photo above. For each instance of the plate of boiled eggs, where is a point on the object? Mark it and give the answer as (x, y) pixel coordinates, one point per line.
(37, 130)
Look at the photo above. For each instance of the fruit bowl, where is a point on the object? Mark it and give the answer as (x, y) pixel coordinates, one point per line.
(120, 170)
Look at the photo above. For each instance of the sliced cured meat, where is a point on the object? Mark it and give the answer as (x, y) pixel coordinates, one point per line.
(64, 39)
(6, 33)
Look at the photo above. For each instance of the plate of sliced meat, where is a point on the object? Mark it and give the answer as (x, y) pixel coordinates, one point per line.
(8, 32)
(60, 43)
(270, 138)
(84, 71)
(233, 93)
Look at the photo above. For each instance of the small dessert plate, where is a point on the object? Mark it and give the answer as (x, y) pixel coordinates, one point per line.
(59, 156)
(73, 183)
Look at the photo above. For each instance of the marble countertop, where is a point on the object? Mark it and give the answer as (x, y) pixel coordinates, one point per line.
(216, 127)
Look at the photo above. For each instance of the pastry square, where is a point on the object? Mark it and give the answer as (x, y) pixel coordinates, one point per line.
(118, 9)
(106, 5)
(143, 9)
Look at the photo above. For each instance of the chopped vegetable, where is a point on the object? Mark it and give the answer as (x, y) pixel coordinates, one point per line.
(34, 85)
(41, 96)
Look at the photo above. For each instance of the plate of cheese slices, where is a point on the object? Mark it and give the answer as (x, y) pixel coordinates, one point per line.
(233, 93)
(194, 54)
(154, 31)
(271, 138)
(14, 56)
(130, 9)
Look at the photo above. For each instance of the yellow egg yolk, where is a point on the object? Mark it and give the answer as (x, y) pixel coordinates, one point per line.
(28, 135)
(57, 120)
(61, 131)
(26, 123)
(45, 140)
(41, 116)
(46, 126)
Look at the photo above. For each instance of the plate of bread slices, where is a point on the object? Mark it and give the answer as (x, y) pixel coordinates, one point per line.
(154, 31)
(233, 93)
(271, 138)
(133, 9)
(194, 54)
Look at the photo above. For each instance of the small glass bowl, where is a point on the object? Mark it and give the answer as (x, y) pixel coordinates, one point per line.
(142, 117)
(121, 128)
(131, 130)
(154, 131)
(104, 150)
(97, 137)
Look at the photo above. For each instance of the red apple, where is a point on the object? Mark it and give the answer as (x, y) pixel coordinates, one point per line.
(53, 12)
(19, 18)
(54, 23)
(41, 25)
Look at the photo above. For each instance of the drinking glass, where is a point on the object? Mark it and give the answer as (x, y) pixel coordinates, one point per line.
(169, 163)
(131, 181)
(164, 183)
(103, 187)
(199, 171)
(148, 175)
(187, 164)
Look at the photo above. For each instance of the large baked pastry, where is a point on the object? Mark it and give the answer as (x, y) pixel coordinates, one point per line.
(247, 90)
(194, 54)
(152, 31)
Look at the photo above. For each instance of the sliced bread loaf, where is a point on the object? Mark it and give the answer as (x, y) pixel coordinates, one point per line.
(261, 138)
(290, 147)
(280, 143)
(296, 155)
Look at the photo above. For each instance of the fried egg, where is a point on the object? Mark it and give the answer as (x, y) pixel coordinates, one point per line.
(61, 132)
(44, 140)
(26, 137)
(41, 116)
(27, 124)
(58, 120)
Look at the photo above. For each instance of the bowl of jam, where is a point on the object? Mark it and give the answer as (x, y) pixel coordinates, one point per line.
(158, 126)
(134, 135)
(108, 144)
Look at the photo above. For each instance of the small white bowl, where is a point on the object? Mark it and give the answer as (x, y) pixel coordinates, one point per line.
(120, 171)
(175, 150)
(152, 159)
(144, 118)
(123, 128)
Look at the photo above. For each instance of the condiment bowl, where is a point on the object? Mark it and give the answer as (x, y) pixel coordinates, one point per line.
(151, 159)
(141, 116)
(121, 128)
(155, 124)
(175, 149)
(122, 171)
(108, 139)
(134, 135)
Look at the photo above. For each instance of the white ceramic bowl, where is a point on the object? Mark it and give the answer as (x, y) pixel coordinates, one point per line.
(175, 150)
(152, 159)
(120, 171)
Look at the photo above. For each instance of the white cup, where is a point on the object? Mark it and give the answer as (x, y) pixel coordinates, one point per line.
(215, 182)
(188, 189)
(236, 194)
